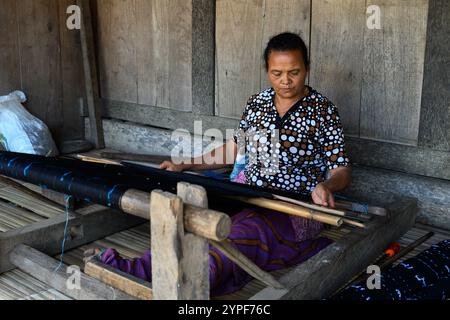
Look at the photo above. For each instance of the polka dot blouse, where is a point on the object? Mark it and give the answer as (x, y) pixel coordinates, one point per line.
(292, 153)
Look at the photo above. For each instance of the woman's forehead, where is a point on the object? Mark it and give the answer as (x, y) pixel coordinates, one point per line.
(291, 58)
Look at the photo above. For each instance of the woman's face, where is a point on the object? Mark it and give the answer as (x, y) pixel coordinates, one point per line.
(287, 73)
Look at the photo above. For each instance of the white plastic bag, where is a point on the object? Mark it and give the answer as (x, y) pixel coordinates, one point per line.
(20, 131)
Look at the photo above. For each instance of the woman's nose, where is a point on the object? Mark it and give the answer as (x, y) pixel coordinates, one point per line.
(285, 79)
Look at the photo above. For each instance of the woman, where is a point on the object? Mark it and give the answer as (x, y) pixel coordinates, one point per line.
(309, 143)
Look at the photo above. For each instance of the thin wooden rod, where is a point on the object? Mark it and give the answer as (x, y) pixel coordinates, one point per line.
(310, 205)
(292, 209)
(246, 264)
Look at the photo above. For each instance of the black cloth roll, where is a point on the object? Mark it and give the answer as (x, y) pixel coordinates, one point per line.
(105, 184)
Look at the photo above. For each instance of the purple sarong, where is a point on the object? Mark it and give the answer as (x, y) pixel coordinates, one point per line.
(266, 237)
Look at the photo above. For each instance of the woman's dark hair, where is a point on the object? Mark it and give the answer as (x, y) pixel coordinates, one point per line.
(286, 41)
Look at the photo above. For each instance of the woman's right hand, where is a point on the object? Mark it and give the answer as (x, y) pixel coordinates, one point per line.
(170, 166)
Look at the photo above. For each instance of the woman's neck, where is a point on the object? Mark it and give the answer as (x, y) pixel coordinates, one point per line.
(284, 104)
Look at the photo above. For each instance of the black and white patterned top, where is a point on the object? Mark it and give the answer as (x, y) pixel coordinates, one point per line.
(292, 153)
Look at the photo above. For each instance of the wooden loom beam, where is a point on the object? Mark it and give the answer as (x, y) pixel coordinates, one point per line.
(209, 224)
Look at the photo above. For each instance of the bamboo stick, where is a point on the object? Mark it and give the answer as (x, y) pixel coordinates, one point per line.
(310, 205)
(293, 209)
(96, 160)
(345, 218)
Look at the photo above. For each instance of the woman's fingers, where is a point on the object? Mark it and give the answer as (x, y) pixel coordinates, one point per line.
(323, 196)
(170, 166)
(331, 200)
(164, 165)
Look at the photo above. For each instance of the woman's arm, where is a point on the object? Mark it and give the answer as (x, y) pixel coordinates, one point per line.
(218, 158)
(340, 178)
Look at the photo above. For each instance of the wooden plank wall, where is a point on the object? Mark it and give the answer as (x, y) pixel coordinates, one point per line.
(336, 44)
(145, 52)
(243, 28)
(150, 66)
(393, 65)
(40, 56)
(373, 76)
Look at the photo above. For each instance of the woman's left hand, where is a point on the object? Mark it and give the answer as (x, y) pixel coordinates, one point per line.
(323, 196)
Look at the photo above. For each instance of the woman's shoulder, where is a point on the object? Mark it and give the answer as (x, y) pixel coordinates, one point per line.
(263, 96)
(320, 101)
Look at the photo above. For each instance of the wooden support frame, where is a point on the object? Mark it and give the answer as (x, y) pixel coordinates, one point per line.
(84, 226)
(180, 260)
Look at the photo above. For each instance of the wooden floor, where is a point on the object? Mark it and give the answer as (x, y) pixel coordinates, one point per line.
(18, 210)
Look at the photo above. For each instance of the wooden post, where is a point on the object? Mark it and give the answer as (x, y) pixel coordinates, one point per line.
(167, 231)
(195, 262)
(90, 76)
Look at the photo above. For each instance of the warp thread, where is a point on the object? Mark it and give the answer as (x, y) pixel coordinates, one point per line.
(67, 199)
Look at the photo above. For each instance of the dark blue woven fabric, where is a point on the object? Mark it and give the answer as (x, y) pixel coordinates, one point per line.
(423, 277)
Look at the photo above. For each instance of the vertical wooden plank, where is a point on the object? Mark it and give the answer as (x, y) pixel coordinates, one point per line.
(238, 60)
(435, 113)
(117, 34)
(203, 56)
(180, 55)
(243, 29)
(167, 229)
(282, 16)
(71, 75)
(9, 48)
(90, 76)
(41, 60)
(152, 51)
(337, 56)
(195, 262)
(164, 53)
(393, 72)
